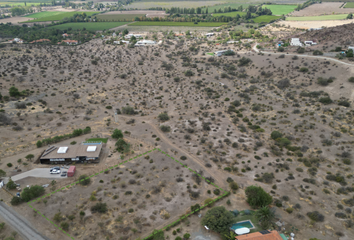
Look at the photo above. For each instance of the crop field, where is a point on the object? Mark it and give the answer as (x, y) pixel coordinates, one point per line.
(349, 5)
(19, 3)
(229, 14)
(187, 24)
(119, 17)
(280, 9)
(265, 18)
(43, 14)
(61, 16)
(318, 18)
(93, 26)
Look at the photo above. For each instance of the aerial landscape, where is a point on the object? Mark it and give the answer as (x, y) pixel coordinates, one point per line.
(176, 120)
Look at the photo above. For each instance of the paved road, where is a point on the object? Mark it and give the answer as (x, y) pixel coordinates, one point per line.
(19, 224)
(37, 172)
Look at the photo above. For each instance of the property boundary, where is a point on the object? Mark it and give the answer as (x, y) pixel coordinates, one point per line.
(226, 193)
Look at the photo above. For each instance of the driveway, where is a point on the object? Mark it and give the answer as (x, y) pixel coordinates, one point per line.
(39, 173)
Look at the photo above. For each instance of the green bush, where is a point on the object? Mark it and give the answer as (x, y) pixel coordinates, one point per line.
(315, 216)
(218, 219)
(117, 134)
(257, 197)
(163, 117)
(84, 180)
(351, 79)
(31, 193)
(325, 100)
(275, 135)
(99, 207)
(165, 128)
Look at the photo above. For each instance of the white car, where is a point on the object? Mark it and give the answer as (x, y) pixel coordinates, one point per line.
(55, 171)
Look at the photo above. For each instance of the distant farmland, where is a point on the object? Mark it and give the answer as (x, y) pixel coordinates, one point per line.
(265, 18)
(119, 17)
(318, 18)
(43, 14)
(59, 17)
(20, 3)
(229, 14)
(186, 24)
(280, 9)
(349, 5)
(221, 6)
(93, 26)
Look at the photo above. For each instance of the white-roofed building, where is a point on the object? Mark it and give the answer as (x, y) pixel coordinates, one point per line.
(145, 43)
(296, 42)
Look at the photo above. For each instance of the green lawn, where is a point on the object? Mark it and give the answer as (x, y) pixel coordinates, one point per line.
(93, 26)
(43, 14)
(280, 9)
(61, 16)
(229, 14)
(119, 17)
(318, 18)
(104, 140)
(265, 18)
(349, 5)
(188, 24)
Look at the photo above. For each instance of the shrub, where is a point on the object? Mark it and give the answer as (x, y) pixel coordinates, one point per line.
(99, 207)
(257, 197)
(340, 215)
(216, 191)
(324, 81)
(9, 164)
(64, 226)
(351, 79)
(289, 210)
(16, 201)
(117, 134)
(186, 236)
(165, 128)
(163, 117)
(344, 103)
(233, 186)
(325, 100)
(301, 50)
(317, 52)
(84, 180)
(315, 216)
(276, 135)
(128, 110)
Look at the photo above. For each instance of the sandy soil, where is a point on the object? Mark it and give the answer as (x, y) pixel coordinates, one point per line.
(314, 24)
(324, 8)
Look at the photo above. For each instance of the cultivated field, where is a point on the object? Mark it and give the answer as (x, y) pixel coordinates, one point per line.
(185, 24)
(147, 13)
(93, 26)
(280, 9)
(349, 5)
(119, 17)
(318, 18)
(265, 18)
(16, 4)
(222, 6)
(58, 17)
(229, 14)
(315, 24)
(43, 14)
(324, 8)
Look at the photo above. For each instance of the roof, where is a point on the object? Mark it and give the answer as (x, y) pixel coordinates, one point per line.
(263, 235)
(72, 151)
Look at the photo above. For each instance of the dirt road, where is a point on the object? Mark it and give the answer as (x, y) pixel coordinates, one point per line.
(19, 224)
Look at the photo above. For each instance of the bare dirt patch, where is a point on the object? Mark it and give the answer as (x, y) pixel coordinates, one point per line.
(326, 8)
(315, 24)
(15, 20)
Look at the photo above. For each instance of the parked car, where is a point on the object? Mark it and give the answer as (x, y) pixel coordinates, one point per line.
(54, 168)
(55, 171)
(63, 174)
(18, 194)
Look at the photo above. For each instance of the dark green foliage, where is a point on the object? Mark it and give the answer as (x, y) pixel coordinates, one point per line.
(31, 193)
(275, 135)
(117, 134)
(14, 92)
(11, 184)
(324, 81)
(315, 216)
(76, 132)
(16, 201)
(265, 216)
(39, 144)
(2, 173)
(317, 52)
(165, 128)
(257, 197)
(195, 208)
(84, 180)
(64, 226)
(351, 79)
(218, 219)
(188, 73)
(163, 117)
(301, 50)
(244, 61)
(128, 110)
(99, 207)
(121, 144)
(325, 100)
(344, 103)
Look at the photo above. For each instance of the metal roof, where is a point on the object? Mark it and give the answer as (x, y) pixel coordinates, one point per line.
(74, 151)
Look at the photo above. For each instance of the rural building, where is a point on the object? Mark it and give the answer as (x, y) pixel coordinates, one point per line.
(296, 42)
(311, 42)
(222, 52)
(131, 35)
(87, 152)
(232, 42)
(209, 34)
(145, 43)
(65, 35)
(69, 42)
(262, 235)
(17, 40)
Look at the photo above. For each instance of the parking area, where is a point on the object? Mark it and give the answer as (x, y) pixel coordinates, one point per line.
(39, 173)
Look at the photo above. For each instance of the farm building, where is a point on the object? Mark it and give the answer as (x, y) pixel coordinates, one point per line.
(310, 43)
(87, 152)
(209, 34)
(222, 52)
(145, 43)
(131, 35)
(17, 40)
(295, 42)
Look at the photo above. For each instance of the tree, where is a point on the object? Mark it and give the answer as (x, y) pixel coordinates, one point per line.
(29, 157)
(233, 186)
(125, 32)
(186, 236)
(275, 135)
(33, 192)
(117, 134)
(39, 144)
(218, 219)
(257, 197)
(84, 180)
(16, 201)
(165, 128)
(14, 92)
(120, 144)
(11, 184)
(350, 16)
(195, 208)
(2, 173)
(265, 216)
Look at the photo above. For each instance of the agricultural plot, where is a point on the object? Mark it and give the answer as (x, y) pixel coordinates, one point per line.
(280, 9)
(43, 14)
(59, 17)
(149, 190)
(118, 17)
(92, 26)
(19, 4)
(265, 18)
(318, 18)
(349, 5)
(222, 6)
(186, 24)
(229, 14)
(319, 9)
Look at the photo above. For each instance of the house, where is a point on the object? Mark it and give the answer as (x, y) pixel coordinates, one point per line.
(209, 34)
(40, 41)
(17, 40)
(65, 35)
(87, 152)
(310, 42)
(232, 42)
(222, 52)
(131, 35)
(69, 42)
(144, 43)
(121, 42)
(296, 42)
(262, 235)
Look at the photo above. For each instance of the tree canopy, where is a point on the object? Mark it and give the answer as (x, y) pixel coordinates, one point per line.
(218, 219)
(257, 197)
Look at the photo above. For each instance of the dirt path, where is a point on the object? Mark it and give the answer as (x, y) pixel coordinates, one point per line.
(19, 223)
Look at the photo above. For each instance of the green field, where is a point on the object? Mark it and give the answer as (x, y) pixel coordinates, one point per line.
(104, 140)
(229, 14)
(280, 9)
(119, 17)
(232, 5)
(318, 18)
(187, 24)
(20, 3)
(93, 26)
(265, 18)
(349, 5)
(59, 17)
(43, 14)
